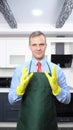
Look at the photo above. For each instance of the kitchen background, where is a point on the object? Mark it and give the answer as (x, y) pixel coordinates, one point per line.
(17, 20)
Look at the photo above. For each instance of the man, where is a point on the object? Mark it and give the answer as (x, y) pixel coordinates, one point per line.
(36, 84)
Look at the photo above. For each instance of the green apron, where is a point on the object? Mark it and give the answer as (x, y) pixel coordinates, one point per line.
(37, 110)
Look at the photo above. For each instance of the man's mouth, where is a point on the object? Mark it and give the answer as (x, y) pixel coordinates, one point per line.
(38, 53)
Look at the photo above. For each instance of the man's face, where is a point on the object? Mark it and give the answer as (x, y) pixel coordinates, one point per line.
(38, 47)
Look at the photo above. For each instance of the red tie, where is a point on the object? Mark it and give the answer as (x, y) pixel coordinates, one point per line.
(39, 67)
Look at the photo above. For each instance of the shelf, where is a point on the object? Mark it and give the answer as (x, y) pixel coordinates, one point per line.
(25, 32)
(13, 124)
(8, 124)
(65, 125)
(6, 90)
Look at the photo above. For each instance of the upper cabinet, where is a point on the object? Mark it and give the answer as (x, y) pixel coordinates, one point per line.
(2, 52)
(13, 51)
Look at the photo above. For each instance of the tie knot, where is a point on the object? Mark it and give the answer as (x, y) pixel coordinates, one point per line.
(39, 64)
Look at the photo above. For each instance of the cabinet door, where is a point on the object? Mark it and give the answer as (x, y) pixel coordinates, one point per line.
(2, 52)
(1, 107)
(17, 51)
(13, 51)
(8, 113)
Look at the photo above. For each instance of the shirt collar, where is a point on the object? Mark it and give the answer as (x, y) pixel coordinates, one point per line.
(43, 61)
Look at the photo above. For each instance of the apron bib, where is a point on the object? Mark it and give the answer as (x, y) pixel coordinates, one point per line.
(37, 110)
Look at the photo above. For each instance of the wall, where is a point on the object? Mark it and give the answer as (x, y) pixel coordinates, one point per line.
(18, 48)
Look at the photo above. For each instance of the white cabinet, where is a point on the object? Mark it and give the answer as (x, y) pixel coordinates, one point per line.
(13, 51)
(2, 52)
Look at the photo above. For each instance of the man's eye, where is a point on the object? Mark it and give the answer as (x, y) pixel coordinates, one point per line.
(42, 44)
(33, 45)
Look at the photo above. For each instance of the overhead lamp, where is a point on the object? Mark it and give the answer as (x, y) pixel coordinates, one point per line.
(37, 12)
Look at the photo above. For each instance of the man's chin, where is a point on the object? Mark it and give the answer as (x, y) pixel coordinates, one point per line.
(39, 57)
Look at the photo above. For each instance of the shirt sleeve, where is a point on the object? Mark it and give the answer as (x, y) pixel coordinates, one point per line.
(12, 96)
(64, 96)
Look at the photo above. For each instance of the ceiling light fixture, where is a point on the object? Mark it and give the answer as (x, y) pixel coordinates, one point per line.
(37, 12)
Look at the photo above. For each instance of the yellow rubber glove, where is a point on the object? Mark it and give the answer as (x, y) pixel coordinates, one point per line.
(53, 82)
(24, 80)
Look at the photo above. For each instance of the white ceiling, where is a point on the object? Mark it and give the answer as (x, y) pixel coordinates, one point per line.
(22, 11)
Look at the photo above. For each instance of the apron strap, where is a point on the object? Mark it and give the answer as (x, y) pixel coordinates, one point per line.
(31, 64)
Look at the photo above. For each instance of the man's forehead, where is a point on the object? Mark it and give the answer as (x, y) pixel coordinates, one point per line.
(38, 38)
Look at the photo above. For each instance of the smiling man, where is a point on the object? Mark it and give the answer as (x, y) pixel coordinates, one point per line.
(36, 83)
(38, 46)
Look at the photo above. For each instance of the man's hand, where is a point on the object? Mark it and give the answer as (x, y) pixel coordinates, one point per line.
(24, 80)
(53, 82)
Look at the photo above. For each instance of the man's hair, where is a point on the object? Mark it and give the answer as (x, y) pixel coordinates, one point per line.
(35, 34)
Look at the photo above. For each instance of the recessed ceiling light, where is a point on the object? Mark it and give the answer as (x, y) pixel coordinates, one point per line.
(37, 12)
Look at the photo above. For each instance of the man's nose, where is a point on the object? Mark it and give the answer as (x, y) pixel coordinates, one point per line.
(38, 47)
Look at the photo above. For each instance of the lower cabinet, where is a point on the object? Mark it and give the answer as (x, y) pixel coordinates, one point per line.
(8, 112)
(1, 108)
